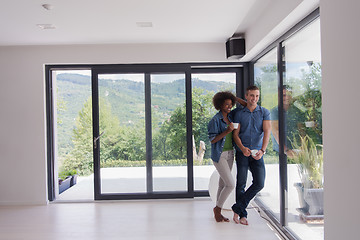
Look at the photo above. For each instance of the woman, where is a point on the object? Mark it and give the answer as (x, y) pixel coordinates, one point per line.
(220, 130)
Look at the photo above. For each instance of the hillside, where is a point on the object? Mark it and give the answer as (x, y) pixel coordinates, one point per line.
(125, 97)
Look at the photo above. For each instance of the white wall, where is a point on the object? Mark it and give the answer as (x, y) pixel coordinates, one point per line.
(340, 35)
(270, 17)
(22, 103)
(273, 19)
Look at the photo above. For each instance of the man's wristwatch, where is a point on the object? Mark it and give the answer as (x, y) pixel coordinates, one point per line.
(262, 151)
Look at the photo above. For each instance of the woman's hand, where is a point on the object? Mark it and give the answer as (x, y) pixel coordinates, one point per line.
(230, 127)
(228, 130)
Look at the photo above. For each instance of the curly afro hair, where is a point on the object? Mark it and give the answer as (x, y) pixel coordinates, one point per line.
(220, 97)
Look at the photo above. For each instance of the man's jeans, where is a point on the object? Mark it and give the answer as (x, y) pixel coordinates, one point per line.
(257, 169)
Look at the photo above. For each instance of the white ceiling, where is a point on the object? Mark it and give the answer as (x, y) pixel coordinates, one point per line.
(115, 21)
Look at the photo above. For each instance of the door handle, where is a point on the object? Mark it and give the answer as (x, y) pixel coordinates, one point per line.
(96, 139)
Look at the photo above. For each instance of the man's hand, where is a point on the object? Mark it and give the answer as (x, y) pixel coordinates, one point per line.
(258, 155)
(290, 153)
(246, 151)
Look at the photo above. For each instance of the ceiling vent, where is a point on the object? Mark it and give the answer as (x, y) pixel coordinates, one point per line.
(144, 24)
(46, 26)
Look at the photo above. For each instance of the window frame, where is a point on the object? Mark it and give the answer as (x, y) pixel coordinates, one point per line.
(242, 82)
(282, 223)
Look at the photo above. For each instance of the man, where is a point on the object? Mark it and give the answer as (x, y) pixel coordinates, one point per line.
(294, 124)
(252, 134)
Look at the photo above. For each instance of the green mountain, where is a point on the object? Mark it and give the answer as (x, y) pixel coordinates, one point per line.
(126, 98)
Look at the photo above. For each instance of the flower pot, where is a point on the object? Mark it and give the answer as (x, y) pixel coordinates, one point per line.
(304, 206)
(311, 200)
(315, 199)
(73, 180)
(64, 184)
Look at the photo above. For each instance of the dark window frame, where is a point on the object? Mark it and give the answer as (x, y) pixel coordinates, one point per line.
(242, 82)
(282, 223)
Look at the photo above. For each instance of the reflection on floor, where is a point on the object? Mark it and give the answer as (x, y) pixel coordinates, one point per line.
(135, 220)
(174, 178)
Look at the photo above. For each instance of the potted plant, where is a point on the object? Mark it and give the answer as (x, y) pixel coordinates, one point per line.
(67, 179)
(309, 159)
(64, 184)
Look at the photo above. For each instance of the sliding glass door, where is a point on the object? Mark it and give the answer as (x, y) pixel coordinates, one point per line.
(266, 78)
(121, 142)
(140, 130)
(303, 129)
(289, 77)
(140, 133)
(168, 128)
(205, 84)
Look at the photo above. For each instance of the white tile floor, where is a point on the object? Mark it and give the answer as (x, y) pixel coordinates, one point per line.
(135, 220)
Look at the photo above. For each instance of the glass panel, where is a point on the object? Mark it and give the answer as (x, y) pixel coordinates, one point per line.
(168, 115)
(265, 75)
(122, 125)
(73, 135)
(303, 127)
(204, 87)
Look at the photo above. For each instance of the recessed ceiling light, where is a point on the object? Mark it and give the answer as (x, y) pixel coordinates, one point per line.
(144, 24)
(46, 26)
(47, 6)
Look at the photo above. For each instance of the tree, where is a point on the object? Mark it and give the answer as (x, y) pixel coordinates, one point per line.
(131, 145)
(311, 100)
(60, 106)
(80, 157)
(202, 112)
(170, 140)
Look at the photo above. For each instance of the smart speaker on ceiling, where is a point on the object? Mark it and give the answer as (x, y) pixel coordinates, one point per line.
(235, 48)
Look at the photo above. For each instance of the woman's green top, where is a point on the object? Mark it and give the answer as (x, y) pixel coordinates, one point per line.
(228, 143)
